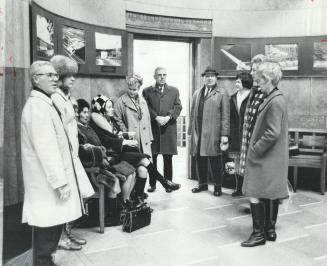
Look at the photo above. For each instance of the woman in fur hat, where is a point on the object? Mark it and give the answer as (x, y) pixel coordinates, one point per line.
(67, 68)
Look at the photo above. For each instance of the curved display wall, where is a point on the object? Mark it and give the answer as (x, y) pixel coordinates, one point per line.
(97, 50)
(298, 56)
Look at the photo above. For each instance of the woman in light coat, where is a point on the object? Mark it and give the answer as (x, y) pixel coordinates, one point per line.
(132, 114)
(266, 165)
(67, 68)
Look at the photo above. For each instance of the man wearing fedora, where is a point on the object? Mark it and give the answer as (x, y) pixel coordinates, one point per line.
(209, 129)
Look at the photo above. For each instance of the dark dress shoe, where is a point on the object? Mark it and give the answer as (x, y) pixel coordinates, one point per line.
(200, 188)
(139, 202)
(77, 240)
(237, 193)
(67, 244)
(170, 186)
(217, 191)
(151, 189)
(145, 195)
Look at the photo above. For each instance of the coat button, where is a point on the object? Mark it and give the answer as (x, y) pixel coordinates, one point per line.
(146, 143)
(144, 128)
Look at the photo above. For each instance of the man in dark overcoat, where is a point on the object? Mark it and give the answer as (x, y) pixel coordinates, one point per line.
(209, 128)
(165, 107)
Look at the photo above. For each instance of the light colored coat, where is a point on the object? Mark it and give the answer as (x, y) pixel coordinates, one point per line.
(127, 119)
(47, 165)
(66, 109)
(266, 166)
(215, 122)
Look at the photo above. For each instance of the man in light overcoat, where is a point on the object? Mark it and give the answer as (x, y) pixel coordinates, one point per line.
(52, 195)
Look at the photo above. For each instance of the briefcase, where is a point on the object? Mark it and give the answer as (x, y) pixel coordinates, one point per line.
(136, 219)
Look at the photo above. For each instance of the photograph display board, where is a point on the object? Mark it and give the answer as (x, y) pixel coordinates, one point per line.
(298, 56)
(97, 50)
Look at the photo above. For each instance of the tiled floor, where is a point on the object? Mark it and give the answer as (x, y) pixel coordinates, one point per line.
(199, 229)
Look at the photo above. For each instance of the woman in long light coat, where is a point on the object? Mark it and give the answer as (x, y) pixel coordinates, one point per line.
(132, 114)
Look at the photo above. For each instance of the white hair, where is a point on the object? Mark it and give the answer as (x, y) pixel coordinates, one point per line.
(271, 70)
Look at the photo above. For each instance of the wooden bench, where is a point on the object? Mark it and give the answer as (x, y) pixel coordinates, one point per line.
(312, 145)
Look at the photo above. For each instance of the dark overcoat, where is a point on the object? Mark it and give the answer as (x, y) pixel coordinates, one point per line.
(267, 158)
(236, 123)
(163, 104)
(215, 122)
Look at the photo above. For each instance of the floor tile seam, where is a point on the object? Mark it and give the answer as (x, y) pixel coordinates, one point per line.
(293, 238)
(315, 225)
(200, 261)
(105, 249)
(208, 229)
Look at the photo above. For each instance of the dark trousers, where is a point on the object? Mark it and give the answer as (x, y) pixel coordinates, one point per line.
(207, 165)
(45, 242)
(168, 168)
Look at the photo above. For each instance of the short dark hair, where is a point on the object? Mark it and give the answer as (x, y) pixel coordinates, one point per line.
(246, 79)
(82, 104)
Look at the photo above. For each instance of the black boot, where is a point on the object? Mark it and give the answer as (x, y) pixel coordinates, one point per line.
(258, 236)
(239, 184)
(139, 192)
(271, 218)
(200, 188)
(167, 184)
(217, 191)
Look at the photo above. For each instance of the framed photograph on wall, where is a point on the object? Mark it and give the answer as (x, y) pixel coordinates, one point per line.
(285, 54)
(74, 43)
(235, 56)
(44, 34)
(108, 49)
(320, 55)
(109, 53)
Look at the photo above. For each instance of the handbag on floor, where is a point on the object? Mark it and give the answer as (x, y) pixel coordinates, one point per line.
(136, 219)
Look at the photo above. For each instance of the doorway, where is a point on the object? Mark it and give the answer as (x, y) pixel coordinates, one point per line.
(176, 57)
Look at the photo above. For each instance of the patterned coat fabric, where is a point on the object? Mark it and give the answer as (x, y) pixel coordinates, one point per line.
(236, 123)
(127, 118)
(67, 112)
(47, 165)
(267, 158)
(163, 104)
(215, 121)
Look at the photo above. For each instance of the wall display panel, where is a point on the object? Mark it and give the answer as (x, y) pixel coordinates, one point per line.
(320, 55)
(97, 50)
(235, 56)
(285, 54)
(74, 43)
(298, 56)
(44, 32)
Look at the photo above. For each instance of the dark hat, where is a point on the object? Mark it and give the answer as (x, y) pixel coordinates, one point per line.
(210, 70)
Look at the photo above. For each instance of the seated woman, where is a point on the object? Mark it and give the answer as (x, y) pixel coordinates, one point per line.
(132, 114)
(125, 149)
(93, 154)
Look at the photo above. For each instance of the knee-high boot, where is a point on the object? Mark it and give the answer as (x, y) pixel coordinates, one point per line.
(238, 188)
(271, 218)
(167, 184)
(258, 236)
(139, 191)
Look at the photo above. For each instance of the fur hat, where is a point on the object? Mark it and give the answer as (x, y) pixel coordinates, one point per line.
(64, 65)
